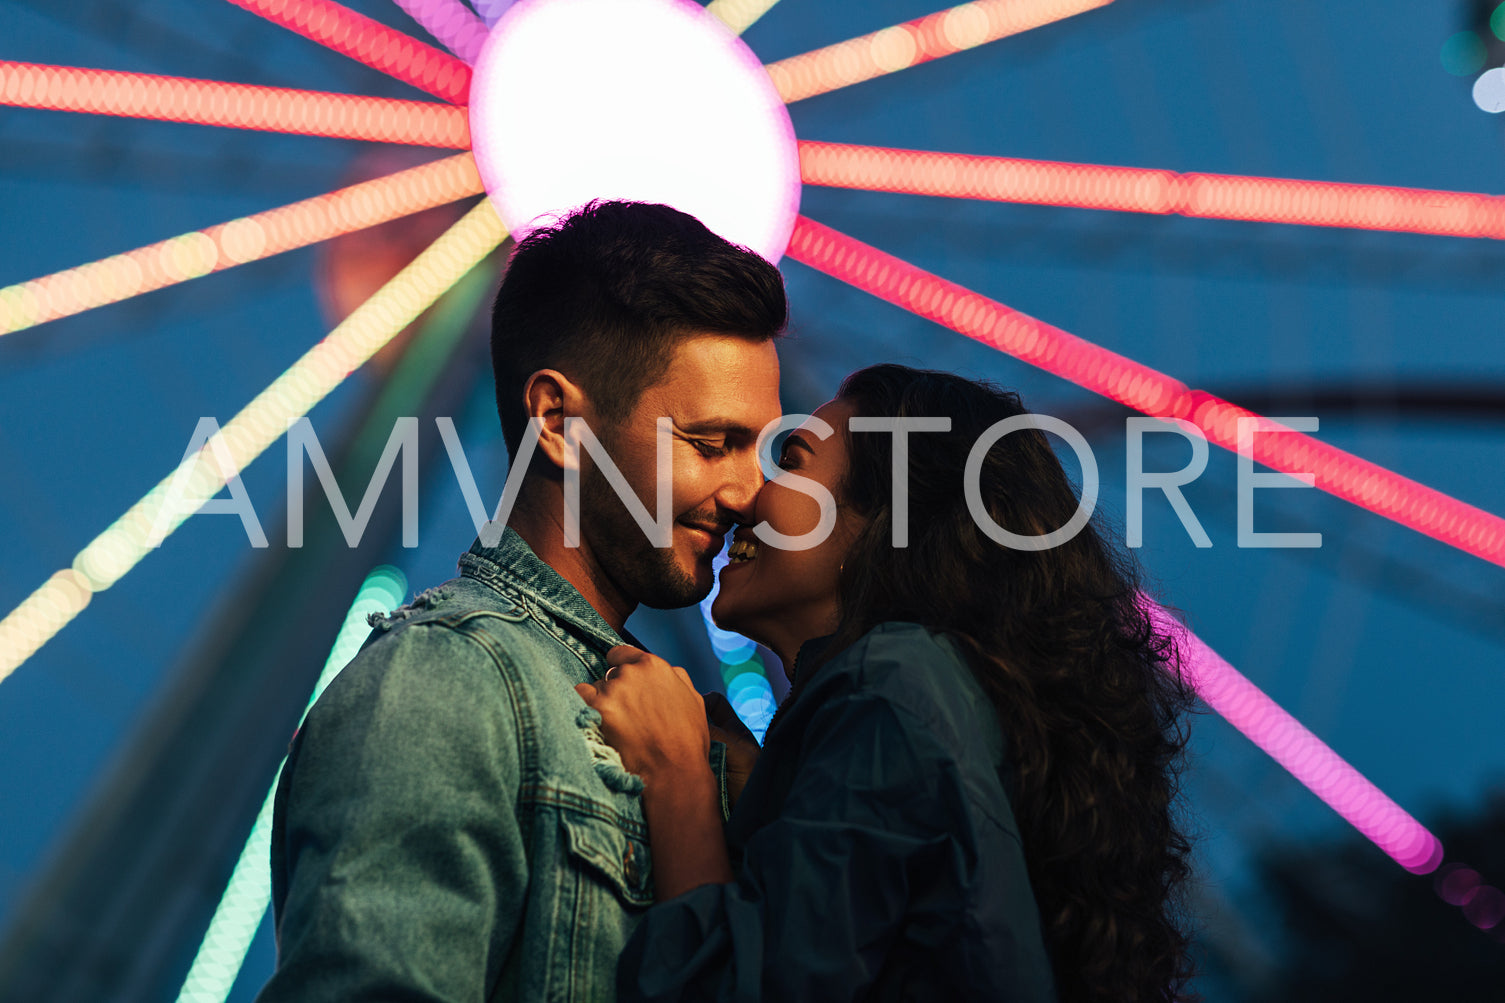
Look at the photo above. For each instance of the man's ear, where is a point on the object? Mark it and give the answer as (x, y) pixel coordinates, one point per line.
(553, 396)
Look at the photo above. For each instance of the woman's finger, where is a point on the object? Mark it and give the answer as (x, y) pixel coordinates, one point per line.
(588, 693)
(621, 654)
(684, 677)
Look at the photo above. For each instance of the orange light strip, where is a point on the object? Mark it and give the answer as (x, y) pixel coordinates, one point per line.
(1134, 189)
(1366, 484)
(249, 238)
(370, 42)
(236, 106)
(914, 42)
(200, 476)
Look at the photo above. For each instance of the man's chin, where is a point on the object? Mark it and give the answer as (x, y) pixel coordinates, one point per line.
(681, 582)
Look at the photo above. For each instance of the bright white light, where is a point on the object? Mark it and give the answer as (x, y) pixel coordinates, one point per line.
(1489, 90)
(650, 100)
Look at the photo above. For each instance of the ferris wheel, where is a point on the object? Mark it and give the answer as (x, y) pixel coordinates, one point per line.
(529, 95)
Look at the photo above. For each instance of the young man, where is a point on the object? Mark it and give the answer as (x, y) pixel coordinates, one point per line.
(449, 825)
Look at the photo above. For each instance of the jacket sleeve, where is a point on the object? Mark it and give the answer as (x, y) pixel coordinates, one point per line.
(872, 820)
(398, 863)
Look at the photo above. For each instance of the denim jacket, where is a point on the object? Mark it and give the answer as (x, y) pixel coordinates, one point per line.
(876, 849)
(449, 824)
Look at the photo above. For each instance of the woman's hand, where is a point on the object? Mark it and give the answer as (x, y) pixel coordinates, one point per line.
(652, 716)
(650, 713)
(741, 745)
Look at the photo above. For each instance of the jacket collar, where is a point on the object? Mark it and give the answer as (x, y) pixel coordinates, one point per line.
(512, 566)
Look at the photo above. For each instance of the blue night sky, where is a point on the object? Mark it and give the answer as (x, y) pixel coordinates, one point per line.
(1388, 644)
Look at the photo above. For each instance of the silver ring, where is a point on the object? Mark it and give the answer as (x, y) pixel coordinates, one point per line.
(610, 671)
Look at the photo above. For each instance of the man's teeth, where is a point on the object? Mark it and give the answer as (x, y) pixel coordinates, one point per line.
(741, 550)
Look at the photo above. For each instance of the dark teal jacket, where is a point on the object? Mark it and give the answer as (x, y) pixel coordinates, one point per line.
(449, 825)
(876, 852)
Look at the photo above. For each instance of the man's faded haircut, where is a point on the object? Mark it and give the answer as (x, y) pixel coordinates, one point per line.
(605, 295)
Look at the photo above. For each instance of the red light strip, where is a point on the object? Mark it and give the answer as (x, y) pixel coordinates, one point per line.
(236, 106)
(1134, 189)
(1366, 484)
(250, 238)
(914, 42)
(366, 41)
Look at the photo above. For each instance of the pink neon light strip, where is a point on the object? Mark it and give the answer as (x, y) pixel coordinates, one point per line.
(1303, 754)
(452, 23)
(237, 106)
(1133, 189)
(249, 238)
(370, 42)
(1366, 484)
(914, 42)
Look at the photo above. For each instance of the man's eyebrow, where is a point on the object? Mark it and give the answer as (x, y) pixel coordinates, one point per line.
(714, 426)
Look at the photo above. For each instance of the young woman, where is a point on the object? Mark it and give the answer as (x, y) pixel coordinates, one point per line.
(969, 793)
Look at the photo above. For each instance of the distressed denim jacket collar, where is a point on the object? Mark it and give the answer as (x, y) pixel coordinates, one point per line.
(513, 569)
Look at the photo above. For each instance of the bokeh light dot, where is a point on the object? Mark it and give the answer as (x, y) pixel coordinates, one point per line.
(1489, 90)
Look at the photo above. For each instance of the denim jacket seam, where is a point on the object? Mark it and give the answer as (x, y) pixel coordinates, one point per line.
(522, 708)
(539, 606)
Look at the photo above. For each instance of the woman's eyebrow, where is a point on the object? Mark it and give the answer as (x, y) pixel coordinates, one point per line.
(796, 439)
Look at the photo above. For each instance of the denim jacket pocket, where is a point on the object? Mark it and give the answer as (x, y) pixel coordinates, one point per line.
(620, 859)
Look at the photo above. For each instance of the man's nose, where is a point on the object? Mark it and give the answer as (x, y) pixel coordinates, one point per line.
(741, 489)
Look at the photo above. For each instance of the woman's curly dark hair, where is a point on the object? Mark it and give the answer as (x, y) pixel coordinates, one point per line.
(1089, 692)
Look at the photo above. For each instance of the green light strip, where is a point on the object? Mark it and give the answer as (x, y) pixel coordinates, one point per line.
(246, 897)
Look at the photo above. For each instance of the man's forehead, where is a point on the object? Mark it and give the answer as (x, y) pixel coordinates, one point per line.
(718, 384)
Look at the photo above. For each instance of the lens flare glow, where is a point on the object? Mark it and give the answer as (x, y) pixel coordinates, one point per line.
(914, 42)
(249, 891)
(650, 100)
(1133, 189)
(249, 238)
(259, 424)
(370, 42)
(1303, 754)
(1147, 390)
(235, 106)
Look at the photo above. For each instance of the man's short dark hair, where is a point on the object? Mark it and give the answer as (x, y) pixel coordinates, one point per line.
(604, 296)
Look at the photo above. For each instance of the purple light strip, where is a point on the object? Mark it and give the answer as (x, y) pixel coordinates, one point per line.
(1303, 754)
(452, 23)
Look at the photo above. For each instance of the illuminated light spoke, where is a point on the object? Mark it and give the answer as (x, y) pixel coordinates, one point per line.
(1133, 189)
(234, 106)
(369, 42)
(259, 424)
(249, 890)
(456, 27)
(1398, 498)
(739, 15)
(491, 11)
(1310, 760)
(914, 42)
(237, 242)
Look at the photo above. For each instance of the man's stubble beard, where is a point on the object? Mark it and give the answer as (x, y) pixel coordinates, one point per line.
(643, 573)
